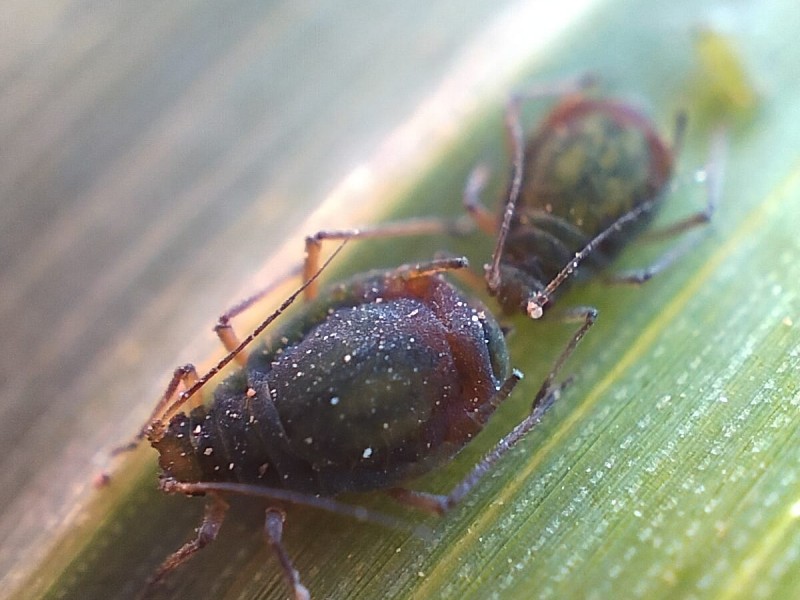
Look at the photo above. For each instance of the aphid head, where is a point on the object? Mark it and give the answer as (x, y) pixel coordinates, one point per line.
(518, 291)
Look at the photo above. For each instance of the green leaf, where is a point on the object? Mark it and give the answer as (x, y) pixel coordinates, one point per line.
(671, 466)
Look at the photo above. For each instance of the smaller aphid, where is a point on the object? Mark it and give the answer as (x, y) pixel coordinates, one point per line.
(379, 379)
(721, 85)
(588, 178)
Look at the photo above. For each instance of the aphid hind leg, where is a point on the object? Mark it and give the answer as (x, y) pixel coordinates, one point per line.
(548, 394)
(172, 400)
(273, 531)
(272, 495)
(423, 226)
(571, 86)
(485, 219)
(273, 525)
(223, 327)
(215, 511)
(645, 274)
(714, 176)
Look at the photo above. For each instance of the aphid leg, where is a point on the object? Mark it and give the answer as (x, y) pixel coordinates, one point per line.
(587, 315)
(431, 267)
(216, 508)
(571, 86)
(645, 274)
(547, 395)
(273, 526)
(171, 486)
(439, 504)
(423, 226)
(167, 407)
(468, 278)
(515, 142)
(186, 375)
(679, 133)
(273, 530)
(713, 177)
(224, 329)
(485, 219)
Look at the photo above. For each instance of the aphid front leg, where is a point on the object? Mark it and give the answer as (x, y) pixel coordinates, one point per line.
(547, 395)
(186, 375)
(216, 508)
(586, 315)
(273, 530)
(515, 142)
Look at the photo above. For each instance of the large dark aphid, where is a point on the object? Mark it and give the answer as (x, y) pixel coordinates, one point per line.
(381, 378)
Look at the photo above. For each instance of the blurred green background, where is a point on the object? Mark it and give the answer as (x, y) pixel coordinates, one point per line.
(159, 161)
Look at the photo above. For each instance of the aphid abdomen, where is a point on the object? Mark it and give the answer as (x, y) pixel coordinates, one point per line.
(236, 438)
(380, 380)
(359, 396)
(381, 391)
(386, 385)
(591, 162)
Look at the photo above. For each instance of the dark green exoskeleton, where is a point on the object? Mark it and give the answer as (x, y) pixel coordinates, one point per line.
(588, 178)
(589, 163)
(380, 379)
(377, 380)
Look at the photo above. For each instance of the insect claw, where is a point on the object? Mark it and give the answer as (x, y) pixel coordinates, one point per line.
(301, 592)
(535, 307)
(492, 279)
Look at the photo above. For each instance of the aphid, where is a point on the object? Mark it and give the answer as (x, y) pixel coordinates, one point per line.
(380, 378)
(586, 180)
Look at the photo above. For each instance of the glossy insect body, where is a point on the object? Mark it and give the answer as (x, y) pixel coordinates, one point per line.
(588, 178)
(380, 379)
(590, 163)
